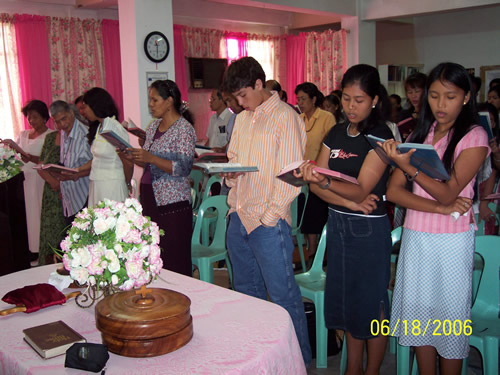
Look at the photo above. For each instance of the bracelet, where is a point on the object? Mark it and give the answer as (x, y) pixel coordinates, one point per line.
(411, 178)
(327, 185)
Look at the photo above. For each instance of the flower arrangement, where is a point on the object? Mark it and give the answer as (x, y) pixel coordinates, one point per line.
(112, 244)
(10, 163)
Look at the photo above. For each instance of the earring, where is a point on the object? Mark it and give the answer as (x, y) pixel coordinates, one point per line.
(465, 103)
(373, 106)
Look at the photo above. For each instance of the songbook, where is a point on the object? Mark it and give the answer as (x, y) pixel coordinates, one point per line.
(211, 168)
(52, 339)
(115, 139)
(55, 168)
(135, 130)
(286, 174)
(406, 126)
(485, 122)
(425, 158)
(493, 196)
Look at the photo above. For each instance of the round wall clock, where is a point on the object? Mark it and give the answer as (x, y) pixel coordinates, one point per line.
(156, 46)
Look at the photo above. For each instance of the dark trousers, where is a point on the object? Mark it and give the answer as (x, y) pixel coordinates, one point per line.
(176, 220)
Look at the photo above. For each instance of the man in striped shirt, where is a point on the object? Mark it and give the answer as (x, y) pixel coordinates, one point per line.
(74, 152)
(270, 135)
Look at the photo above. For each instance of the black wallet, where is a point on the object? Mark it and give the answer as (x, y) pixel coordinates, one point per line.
(87, 356)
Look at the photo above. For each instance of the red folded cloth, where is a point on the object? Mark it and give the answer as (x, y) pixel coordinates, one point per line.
(35, 297)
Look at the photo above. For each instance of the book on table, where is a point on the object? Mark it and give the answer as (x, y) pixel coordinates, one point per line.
(135, 130)
(52, 339)
(211, 168)
(286, 174)
(425, 158)
(55, 168)
(485, 122)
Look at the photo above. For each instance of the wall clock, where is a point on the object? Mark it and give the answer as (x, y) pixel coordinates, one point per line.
(156, 46)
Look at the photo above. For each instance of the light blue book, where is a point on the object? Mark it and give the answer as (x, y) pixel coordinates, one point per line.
(425, 158)
(211, 168)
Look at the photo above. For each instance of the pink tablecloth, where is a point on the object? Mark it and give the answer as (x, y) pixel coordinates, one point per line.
(233, 334)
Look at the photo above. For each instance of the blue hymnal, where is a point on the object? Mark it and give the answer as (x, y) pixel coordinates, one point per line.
(425, 158)
(484, 121)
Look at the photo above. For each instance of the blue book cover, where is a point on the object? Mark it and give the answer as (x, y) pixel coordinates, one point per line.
(115, 139)
(425, 158)
(484, 121)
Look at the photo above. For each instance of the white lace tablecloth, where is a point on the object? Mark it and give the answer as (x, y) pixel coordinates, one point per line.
(233, 334)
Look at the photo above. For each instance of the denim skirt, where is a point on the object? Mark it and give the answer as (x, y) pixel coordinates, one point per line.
(358, 274)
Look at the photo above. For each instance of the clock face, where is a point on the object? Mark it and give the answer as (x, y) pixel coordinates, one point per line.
(156, 46)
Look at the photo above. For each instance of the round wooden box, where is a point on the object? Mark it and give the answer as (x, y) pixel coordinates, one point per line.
(154, 323)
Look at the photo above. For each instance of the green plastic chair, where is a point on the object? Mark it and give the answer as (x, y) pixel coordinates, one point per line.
(203, 256)
(197, 176)
(210, 216)
(312, 286)
(485, 314)
(297, 223)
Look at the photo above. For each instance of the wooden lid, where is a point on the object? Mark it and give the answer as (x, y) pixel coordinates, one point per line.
(129, 315)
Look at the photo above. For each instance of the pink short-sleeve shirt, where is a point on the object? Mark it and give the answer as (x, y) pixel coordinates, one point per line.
(436, 223)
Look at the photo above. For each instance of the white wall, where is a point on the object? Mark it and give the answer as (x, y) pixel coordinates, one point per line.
(469, 37)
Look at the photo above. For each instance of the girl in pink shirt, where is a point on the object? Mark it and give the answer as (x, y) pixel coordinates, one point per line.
(434, 274)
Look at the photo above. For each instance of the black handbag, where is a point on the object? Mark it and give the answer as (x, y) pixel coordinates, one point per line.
(87, 356)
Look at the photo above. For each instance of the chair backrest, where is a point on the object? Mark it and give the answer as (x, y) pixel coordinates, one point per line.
(317, 266)
(212, 180)
(197, 177)
(218, 203)
(487, 298)
(396, 234)
(296, 220)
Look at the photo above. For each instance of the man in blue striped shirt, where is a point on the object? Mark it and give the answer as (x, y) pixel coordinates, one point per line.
(75, 151)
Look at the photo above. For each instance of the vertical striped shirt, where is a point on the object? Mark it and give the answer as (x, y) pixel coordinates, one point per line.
(271, 137)
(75, 151)
(437, 223)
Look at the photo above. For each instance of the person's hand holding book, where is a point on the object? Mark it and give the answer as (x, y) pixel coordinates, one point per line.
(307, 173)
(401, 159)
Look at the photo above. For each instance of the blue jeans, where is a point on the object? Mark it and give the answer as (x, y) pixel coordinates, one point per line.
(262, 264)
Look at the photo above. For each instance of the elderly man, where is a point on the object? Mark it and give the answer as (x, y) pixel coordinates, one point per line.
(75, 151)
(217, 126)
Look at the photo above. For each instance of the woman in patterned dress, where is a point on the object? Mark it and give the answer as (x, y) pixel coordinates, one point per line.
(52, 223)
(434, 274)
(167, 157)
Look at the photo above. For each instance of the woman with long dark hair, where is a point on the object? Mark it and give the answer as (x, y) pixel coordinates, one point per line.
(434, 274)
(167, 156)
(110, 172)
(358, 237)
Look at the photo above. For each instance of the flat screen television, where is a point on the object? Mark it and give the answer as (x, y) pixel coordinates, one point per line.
(206, 73)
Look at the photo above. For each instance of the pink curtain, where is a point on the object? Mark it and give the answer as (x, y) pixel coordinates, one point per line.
(325, 59)
(180, 63)
(241, 41)
(34, 60)
(76, 56)
(112, 60)
(295, 63)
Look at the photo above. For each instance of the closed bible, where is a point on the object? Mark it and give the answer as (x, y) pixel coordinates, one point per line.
(52, 339)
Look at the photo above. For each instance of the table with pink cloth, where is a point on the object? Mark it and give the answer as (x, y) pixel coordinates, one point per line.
(233, 333)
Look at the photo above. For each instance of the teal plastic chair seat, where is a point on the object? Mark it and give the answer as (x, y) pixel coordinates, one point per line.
(202, 255)
(480, 226)
(312, 286)
(210, 216)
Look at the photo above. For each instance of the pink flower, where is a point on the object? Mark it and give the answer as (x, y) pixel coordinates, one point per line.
(134, 269)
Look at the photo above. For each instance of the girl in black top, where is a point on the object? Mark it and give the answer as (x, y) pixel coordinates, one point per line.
(358, 236)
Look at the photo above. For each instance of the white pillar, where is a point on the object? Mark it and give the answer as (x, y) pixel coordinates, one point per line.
(361, 41)
(137, 19)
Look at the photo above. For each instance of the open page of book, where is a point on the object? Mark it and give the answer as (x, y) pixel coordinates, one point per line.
(287, 174)
(55, 168)
(225, 167)
(135, 130)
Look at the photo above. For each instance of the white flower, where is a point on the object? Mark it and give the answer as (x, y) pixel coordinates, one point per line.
(114, 266)
(79, 274)
(100, 226)
(114, 279)
(122, 227)
(85, 257)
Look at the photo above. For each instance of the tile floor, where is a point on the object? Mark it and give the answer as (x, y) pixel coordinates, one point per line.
(389, 364)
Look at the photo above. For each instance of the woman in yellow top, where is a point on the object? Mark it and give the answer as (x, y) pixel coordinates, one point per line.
(318, 124)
